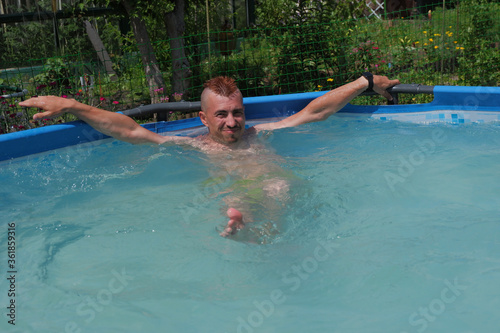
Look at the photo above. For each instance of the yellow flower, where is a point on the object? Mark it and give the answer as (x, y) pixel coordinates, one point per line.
(455, 42)
(329, 80)
(437, 35)
(461, 48)
(417, 42)
(425, 32)
(431, 40)
(425, 44)
(458, 48)
(436, 46)
(320, 86)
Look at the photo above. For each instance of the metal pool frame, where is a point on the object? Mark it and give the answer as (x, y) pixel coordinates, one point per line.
(460, 99)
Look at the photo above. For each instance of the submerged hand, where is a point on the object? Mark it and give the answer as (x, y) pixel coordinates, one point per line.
(235, 222)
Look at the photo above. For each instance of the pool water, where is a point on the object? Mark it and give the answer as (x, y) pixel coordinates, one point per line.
(394, 227)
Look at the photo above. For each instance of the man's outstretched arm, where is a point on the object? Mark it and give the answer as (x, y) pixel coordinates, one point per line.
(324, 106)
(113, 124)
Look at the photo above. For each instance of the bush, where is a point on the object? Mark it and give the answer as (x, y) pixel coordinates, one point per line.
(480, 59)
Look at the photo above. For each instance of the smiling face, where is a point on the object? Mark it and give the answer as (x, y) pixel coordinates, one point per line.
(224, 116)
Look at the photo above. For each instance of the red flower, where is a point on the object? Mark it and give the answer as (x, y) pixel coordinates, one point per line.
(102, 99)
(116, 102)
(375, 47)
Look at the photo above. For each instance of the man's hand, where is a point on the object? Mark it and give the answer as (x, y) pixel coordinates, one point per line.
(53, 106)
(381, 84)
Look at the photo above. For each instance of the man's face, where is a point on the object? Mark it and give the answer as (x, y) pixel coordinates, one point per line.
(224, 117)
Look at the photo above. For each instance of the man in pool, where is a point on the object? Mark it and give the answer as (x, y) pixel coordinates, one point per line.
(227, 142)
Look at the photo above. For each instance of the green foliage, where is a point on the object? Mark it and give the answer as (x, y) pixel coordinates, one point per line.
(12, 118)
(367, 56)
(55, 73)
(312, 44)
(25, 41)
(479, 62)
(252, 67)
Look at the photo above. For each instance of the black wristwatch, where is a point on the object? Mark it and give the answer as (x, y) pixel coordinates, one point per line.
(369, 77)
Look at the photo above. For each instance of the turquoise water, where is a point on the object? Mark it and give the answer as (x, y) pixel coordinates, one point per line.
(393, 227)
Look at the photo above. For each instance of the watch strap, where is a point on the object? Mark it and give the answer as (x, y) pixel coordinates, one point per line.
(369, 77)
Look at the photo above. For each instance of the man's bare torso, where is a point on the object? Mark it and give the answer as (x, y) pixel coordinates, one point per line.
(249, 158)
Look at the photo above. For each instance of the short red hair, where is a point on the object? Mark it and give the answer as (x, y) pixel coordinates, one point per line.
(222, 85)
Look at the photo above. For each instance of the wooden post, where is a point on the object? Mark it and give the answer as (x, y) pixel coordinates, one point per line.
(208, 38)
(4, 26)
(101, 51)
(54, 24)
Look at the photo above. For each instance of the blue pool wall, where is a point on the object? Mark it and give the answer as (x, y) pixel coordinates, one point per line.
(457, 98)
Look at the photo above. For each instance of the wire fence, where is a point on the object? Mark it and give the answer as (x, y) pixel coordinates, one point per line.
(453, 44)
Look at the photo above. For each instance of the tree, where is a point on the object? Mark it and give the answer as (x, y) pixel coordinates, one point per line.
(175, 26)
(152, 70)
(171, 13)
